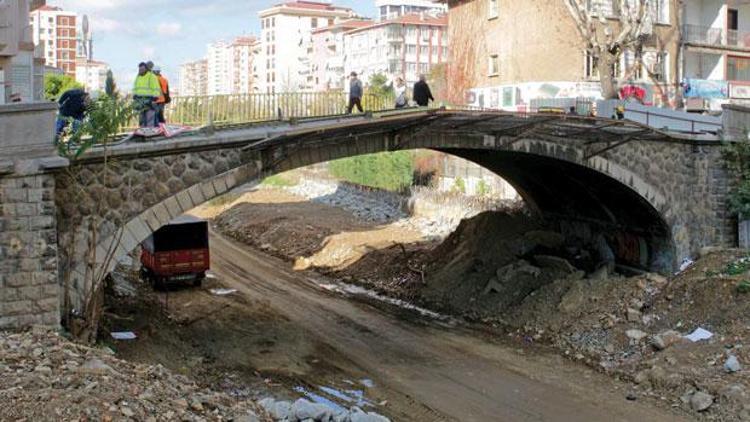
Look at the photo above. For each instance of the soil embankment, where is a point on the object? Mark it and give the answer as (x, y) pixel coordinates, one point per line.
(505, 271)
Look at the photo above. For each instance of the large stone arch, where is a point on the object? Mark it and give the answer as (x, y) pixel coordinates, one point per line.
(667, 181)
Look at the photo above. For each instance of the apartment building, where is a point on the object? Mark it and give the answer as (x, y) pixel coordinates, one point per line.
(21, 64)
(531, 51)
(327, 55)
(218, 63)
(194, 78)
(242, 53)
(716, 42)
(91, 73)
(55, 30)
(286, 40)
(391, 9)
(405, 46)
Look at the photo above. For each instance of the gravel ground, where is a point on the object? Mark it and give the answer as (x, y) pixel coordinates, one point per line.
(44, 377)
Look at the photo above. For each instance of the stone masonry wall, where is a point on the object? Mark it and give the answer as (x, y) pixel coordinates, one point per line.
(29, 292)
(123, 197)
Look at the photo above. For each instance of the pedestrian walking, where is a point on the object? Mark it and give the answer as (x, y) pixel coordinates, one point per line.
(400, 90)
(73, 104)
(355, 94)
(146, 90)
(164, 98)
(422, 93)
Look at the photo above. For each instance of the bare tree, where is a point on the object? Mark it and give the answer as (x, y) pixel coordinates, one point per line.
(606, 39)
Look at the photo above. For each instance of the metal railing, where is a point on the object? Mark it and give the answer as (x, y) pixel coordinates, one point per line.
(247, 108)
(738, 38)
(702, 34)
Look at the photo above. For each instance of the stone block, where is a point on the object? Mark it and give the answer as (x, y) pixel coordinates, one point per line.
(150, 219)
(41, 222)
(16, 195)
(35, 195)
(8, 294)
(42, 278)
(50, 290)
(50, 319)
(19, 307)
(139, 229)
(162, 214)
(21, 279)
(29, 264)
(208, 190)
(220, 185)
(186, 203)
(173, 207)
(29, 293)
(196, 194)
(47, 305)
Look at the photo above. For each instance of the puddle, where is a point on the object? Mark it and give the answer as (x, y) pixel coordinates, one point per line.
(349, 289)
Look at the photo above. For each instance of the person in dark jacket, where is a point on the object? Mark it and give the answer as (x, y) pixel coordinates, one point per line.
(73, 105)
(422, 94)
(355, 94)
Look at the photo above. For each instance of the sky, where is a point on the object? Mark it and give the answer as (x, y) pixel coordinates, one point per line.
(170, 32)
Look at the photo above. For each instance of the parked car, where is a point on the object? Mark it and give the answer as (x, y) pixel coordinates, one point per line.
(177, 252)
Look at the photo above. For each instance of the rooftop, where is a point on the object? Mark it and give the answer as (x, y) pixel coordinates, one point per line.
(302, 6)
(410, 19)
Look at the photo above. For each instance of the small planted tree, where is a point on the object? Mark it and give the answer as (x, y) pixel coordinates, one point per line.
(105, 118)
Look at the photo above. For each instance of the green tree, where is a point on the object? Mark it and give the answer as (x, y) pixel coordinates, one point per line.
(378, 85)
(55, 85)
(483, 188)
(737, 155)
(105, 118)
(459, 185)
(110, 87)
(389, 170)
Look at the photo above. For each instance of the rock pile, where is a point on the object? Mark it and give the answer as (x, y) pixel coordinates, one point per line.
(368, 205)
(45, 377)
(307, 411)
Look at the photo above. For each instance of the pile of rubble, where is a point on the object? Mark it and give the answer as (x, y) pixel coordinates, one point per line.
(366, 204)
(307, 411)
(45, 377)
(434, 214)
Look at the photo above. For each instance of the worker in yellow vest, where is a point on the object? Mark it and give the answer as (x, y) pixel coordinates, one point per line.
(146, 90)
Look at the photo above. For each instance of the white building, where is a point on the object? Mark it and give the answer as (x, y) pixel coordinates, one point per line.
(406, 46)
(92, 74)
(242, 53)
(194, 78)
(327, 60)
(716, 43)
(390, 9)
(286, 44)
(217, 59)
(55, 31)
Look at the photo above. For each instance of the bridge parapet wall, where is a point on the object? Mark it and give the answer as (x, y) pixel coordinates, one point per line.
(29, 290)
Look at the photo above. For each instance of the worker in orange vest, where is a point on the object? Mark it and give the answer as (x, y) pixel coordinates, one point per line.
(164, 99)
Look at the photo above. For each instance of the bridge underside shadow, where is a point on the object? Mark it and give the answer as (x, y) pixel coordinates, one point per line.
(583, 204)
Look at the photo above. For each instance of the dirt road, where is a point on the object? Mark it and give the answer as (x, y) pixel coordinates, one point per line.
(425, 370)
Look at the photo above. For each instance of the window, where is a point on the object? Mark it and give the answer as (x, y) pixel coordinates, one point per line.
(314, 22)
(411, 49)
(494, 65)
(591, 67)
(508, 96)
(738, 68)
(411, 67)
(732, 19)
(493, 10)
(425, 34)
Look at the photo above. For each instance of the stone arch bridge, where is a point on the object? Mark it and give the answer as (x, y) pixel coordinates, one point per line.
(657, 196)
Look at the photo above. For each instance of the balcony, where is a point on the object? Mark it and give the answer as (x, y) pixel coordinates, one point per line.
(698, 34)
(719, 37)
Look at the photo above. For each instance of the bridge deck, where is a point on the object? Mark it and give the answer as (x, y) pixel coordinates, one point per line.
(592, 131)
